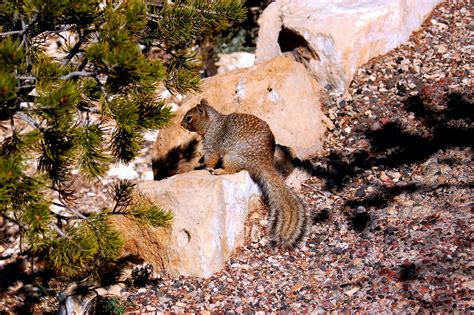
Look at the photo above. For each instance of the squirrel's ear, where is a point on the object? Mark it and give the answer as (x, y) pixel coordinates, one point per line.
(205, 102)
(201, 109)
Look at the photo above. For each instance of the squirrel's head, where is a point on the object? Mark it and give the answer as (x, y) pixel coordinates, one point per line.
(196, 118)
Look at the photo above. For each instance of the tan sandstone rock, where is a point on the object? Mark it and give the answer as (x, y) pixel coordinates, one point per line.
(280, 91)
(209, 216)
(333, 38)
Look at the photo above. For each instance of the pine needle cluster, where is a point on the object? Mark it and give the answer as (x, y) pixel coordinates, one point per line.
(55, 110)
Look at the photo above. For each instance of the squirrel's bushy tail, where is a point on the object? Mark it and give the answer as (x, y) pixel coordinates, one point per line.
(288, 218)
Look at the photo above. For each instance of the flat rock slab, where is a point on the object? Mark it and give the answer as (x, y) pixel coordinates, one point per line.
(335, 37)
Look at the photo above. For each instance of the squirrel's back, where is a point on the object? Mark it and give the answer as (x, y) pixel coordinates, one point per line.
(250, 138)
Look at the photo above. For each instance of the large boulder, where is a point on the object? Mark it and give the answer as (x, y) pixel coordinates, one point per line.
(279, 91)
(209, 215)
(333, 38)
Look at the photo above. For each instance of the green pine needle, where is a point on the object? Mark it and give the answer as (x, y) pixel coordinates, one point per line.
(128, 203)
(126, 144)
(122, 192)
(93, 162)
(146, 212)
(92, 245)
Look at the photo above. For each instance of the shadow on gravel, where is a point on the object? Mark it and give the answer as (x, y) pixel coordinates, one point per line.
(33, 287)
(392, 146)
(12, 275)
(383, 195)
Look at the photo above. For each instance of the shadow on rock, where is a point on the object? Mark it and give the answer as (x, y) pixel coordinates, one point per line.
(177, 158)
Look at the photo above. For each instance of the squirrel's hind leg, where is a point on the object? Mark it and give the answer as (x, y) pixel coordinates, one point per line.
(211, 160)
(230, 166)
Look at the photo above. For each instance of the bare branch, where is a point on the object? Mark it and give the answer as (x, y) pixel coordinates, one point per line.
(71, 75)
(102, 89)
(75, 49)
(29, 120)
(60, 232)
(118, 5)
(5, 34)
(77, 213)
(23, 77)
(25, 41)
(83, 64)
(76, 74)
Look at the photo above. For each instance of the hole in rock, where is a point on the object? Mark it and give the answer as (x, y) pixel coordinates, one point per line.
(188, 235)
(290, 41)
(184, 237)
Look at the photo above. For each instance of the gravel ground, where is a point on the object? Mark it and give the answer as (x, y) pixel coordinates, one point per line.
(391, 196)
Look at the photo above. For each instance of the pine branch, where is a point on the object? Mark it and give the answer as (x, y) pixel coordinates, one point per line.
(29, 120)
(70, 75)
(76, 47)
(84, 36)
(106, 73)
(121, 192)
(146, 212)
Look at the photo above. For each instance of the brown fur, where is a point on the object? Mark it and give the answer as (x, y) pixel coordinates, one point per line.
(245, 142)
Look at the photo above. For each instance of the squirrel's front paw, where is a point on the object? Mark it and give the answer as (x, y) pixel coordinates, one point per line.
(218, 171)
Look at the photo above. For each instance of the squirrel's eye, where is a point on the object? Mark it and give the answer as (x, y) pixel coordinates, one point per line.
(189, 119)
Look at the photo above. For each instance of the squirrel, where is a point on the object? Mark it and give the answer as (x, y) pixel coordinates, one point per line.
(245, 142)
